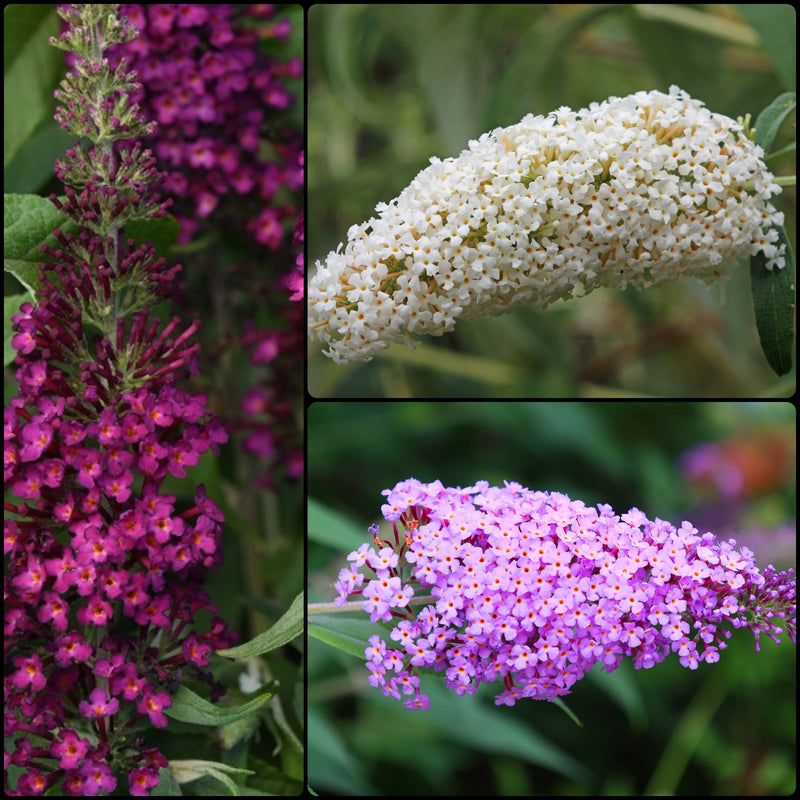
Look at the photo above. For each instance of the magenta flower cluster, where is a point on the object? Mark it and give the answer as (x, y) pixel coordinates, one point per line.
(216, 77)
(214, 95)
(104, 569)
(104, 566)
(533, 589)
(271, 428)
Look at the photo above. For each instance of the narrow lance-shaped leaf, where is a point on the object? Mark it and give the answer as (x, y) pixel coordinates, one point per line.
(349, 635)
(190, 707)
(291, 746)
(186, 770)
(167, 785)
(771, 118)
(330, 528)
(774, 293)
(288, 627)
(775, 24)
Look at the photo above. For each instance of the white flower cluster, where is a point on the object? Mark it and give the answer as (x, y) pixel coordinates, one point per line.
(639, 189)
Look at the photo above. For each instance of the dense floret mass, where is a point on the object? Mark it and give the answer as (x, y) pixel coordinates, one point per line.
(634, 190)
(535, 589)
(104, 609)
(217, 96)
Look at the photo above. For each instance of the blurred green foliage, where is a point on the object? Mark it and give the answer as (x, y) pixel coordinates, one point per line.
(726, 728)
(390, 86)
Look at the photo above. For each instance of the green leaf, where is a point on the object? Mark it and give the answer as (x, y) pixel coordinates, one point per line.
(443, 35)
(776, 25)
(621, 686)
(11, 305)
(296, 789)
(167, 785)
(190, 707)
(288, 627)
(186, 770)
(235, 733)
(774, 304)
(475, 724)
(29, 223)
(26, 273)
(333, 762)
(488, 370)
(337, 630)
(269, 781)
(784, 151)
(771, 118)
(332, 529)
(533, 69)
(31, 169)
(290, 744)
(161, 233)
(31, 71)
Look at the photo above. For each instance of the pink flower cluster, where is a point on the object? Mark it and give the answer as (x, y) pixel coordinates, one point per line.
(534, 589)
(214, 94)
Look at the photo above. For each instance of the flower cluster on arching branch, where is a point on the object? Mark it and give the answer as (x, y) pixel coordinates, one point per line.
(533, 589)
(634, 190)
(104, 567)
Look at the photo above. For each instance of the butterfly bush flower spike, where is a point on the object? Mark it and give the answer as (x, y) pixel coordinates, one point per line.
(217, 79)
(531, 589)
(104, 568)
(213, 92)
(634, 190)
